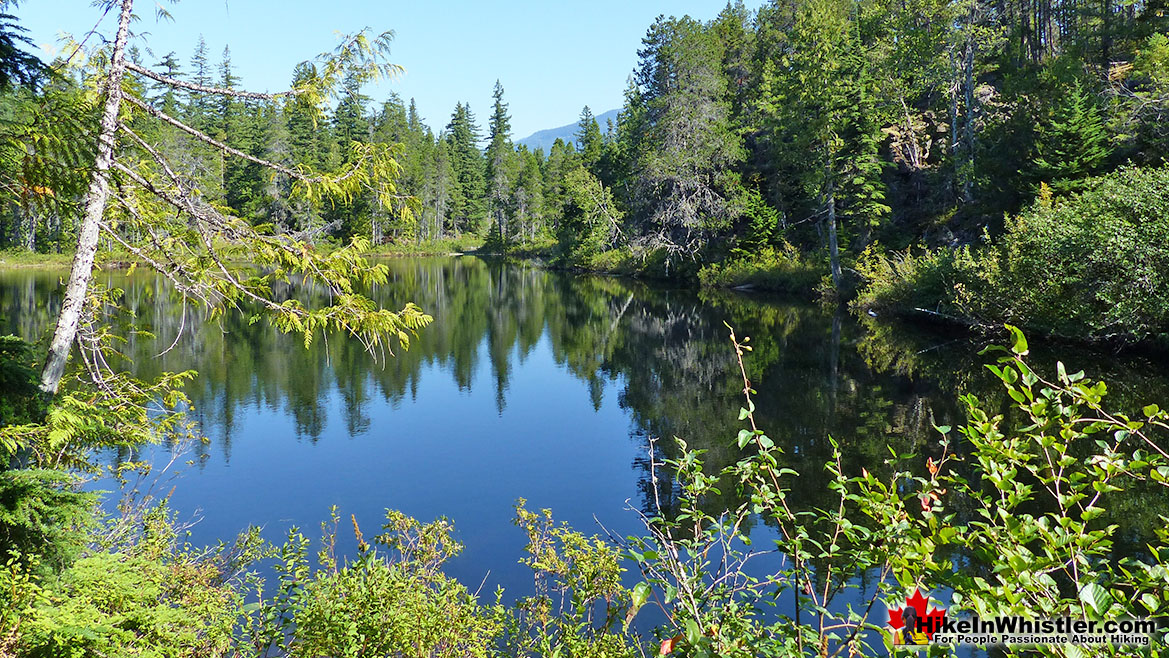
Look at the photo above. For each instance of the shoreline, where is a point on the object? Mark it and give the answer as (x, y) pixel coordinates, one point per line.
(789, 287)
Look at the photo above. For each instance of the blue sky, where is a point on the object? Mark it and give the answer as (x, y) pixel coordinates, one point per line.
(553, 57)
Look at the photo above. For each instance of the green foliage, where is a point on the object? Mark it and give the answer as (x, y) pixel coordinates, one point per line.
(1025, 498)
(151, 597)
(42, 514)
(1011, 520)
(392, 603)
(1141, 97)
(96, 409)
(1071, 143)
(688, 146)
(780, 268)
(22, 401)
(579, 607)
(759, 222)
(1089, 266)
(916, 279)
(591, 220)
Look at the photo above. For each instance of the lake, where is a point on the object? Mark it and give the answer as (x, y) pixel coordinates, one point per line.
(542, 385)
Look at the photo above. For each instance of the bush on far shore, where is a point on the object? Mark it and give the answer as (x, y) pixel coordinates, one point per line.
(1093, 265)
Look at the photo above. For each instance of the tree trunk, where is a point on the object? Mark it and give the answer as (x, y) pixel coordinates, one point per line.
(1106, 32)
(30, 236)
(95, 205)
(967, 184)
(833, 247)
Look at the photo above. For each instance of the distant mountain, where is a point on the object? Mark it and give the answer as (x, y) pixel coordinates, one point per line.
(543, 139)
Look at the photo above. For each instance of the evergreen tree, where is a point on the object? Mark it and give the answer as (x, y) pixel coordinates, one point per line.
(499, 161)
(1071, 143)
(441, 186)
(462, 136)
(167, 97)
(588, 138)
(818, 100)
(198, 113)
(528, 195)
(562, 159)
(350, 120)
(689, 145)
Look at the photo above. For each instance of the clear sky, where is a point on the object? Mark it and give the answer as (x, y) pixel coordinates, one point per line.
(553, 57)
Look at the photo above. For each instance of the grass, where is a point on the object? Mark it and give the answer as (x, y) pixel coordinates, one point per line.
(780, 269)
(444, 247)
(21, 259)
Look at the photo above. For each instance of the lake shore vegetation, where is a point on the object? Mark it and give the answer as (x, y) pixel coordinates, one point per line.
(983, 163)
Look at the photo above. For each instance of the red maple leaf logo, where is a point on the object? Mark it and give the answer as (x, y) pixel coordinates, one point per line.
(929, 619)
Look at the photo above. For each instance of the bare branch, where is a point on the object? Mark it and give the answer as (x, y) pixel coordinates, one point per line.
(204, 137)
(182, 84)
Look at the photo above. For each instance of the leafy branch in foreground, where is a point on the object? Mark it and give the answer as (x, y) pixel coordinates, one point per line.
(1025, 526)
(1011, 519)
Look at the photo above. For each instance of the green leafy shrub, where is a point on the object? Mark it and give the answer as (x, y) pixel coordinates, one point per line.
(150, 597)
(779, 268)
(1014, 521)
(389, 601)
(1091, 265)
(1094, 264)
(579, 609)
(42, 514)
(1011, 519)
(949, 281)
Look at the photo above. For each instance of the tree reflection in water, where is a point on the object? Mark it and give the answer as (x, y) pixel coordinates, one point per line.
(653, 358)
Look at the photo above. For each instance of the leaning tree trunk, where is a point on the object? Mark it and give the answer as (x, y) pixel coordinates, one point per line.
(95, 205)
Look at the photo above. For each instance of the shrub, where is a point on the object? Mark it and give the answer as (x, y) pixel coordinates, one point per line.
(1091, 265)
(392, 600)
(1010, 520)
(1094, 264)
(779, 268)
(41, 514)
(153, 598)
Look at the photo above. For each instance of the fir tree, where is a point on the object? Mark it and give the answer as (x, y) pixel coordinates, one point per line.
(198, 113)
(1072, 143)
(467, 163)
(499, 160)
(588, 138)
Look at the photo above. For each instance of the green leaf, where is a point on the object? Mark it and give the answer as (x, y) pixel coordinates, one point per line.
(745, 437)
(693, 633)
(1150, 602)
(1019, 341)
(640, 594)
(1096, 596)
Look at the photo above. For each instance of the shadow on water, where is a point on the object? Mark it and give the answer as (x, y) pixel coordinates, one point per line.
(540, 385)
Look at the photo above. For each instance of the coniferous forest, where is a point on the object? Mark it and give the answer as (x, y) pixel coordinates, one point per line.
(955, 156)
(748, 337)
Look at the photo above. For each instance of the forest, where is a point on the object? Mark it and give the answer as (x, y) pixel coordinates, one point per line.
(953, 156)
(782, 188)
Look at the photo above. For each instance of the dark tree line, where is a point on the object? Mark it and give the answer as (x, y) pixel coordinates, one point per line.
(818, 126)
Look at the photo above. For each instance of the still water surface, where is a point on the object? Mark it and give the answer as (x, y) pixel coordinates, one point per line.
(540, 385)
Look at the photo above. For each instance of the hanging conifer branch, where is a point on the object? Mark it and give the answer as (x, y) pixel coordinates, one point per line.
(193, 246)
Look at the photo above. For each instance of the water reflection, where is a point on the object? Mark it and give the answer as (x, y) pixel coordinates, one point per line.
(537, 384)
